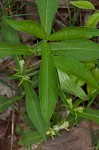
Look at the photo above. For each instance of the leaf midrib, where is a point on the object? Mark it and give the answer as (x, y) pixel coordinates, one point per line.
(46, 16)
(47, 84)
(61, 49)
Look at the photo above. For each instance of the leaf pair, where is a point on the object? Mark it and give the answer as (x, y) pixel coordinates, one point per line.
(68, 33)
(80, 50)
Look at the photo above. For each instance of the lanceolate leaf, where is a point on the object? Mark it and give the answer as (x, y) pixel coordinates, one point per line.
(72, 33)
(47, 10)
(72, 66)
(7, 102)
(93, 20)
(68, 85)
(82, 50)
(83, 4)
(33, 109)
(28, 26)
(48, 84)
(29, 137)
(8, 49)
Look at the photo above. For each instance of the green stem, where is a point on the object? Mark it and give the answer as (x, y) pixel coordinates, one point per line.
(28, 147)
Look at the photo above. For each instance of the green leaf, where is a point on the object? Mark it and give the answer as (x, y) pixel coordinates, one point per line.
(48, 83)
(83, 4)
(29, 137)
(76, 68)
(33, 109)
(90, 114)
(72, 33)
(93, 20)
(47, 10)
(28, 26)
(71, 87)
(7, 102)
(7, 32)
(8, 49)
(82, 50)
